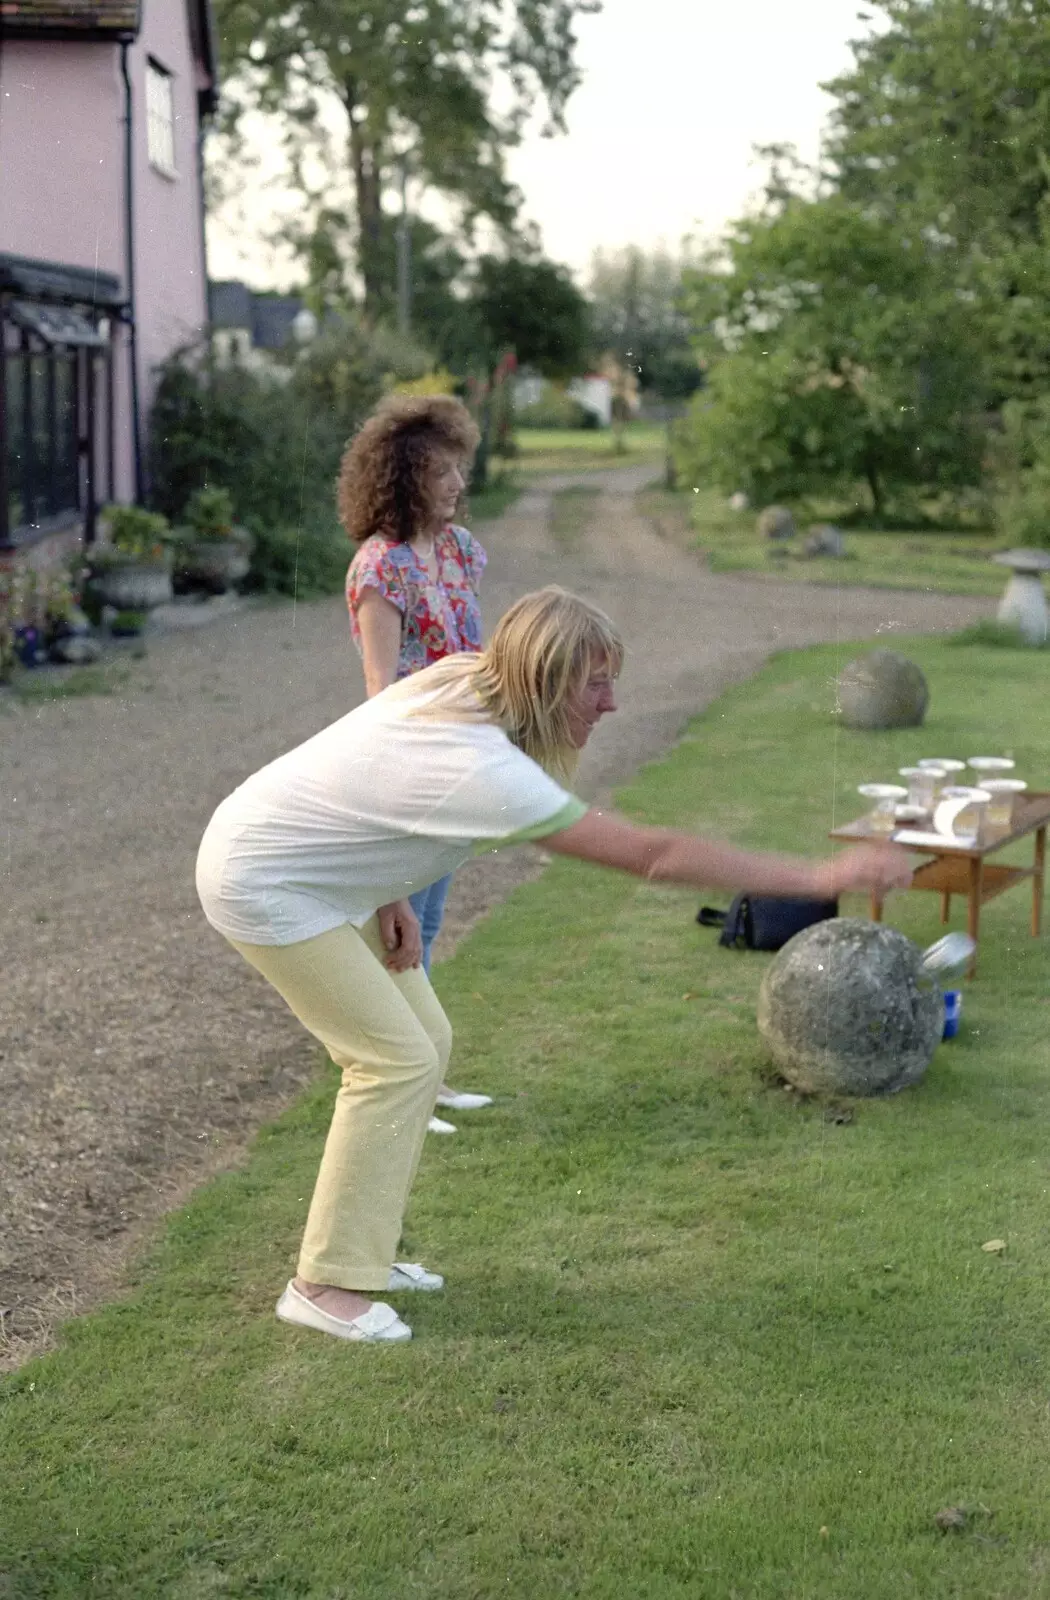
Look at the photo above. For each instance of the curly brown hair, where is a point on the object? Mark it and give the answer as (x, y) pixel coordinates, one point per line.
(382, 476)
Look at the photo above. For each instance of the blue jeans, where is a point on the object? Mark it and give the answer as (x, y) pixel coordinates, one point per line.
(429, 906)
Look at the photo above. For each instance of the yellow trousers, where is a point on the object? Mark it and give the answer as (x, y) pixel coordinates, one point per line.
(389, 1035)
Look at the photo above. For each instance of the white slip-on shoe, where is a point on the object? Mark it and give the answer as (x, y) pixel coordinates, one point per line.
(410, 1275)
(435, 1125)
(379, 1324)
(456, 1101)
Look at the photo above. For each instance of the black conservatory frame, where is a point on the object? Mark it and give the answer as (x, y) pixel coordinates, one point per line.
(57, 334)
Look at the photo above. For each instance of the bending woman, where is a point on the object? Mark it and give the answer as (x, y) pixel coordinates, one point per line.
(306, 868)
(412, 587)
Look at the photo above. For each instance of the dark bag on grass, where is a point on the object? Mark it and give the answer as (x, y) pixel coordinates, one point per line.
(764, 922)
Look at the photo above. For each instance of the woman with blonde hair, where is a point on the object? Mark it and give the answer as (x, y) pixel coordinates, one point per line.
(306, 867)
(412, 586)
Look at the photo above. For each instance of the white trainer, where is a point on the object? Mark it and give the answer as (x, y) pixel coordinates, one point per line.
(435, 1125)
(379, 1324)
(455, 1101)
(410, 1275)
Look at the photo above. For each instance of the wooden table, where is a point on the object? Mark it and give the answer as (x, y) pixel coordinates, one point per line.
(965, 869)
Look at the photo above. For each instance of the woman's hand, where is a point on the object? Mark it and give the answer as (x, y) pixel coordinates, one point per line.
(399, 931)
(878, 867)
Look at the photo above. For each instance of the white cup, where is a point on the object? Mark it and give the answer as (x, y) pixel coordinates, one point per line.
(882, 817)
(960, 812)
(922, 785)
(1004, 793)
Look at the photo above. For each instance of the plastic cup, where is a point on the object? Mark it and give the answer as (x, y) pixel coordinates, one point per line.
(922, 785)
(944, 771)
(961, 811)
(991, 766)
(882, 818)
(1004, 793)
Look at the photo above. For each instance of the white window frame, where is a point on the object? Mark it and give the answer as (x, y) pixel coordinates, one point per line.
(160, 118)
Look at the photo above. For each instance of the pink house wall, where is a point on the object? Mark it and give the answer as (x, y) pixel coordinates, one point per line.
(62, 189)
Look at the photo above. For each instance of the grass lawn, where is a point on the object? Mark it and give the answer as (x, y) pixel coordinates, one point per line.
(954, 561)
(701, 1340)
(543, 450)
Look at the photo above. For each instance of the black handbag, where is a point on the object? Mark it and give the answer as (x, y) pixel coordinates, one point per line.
(764, 922)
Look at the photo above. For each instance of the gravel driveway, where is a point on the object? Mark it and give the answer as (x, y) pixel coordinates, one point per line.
(137, 1052)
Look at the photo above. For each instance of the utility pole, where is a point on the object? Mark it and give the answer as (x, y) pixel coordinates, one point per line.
(404, 257)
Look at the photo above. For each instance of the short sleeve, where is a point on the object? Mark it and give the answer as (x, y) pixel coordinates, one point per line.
(505, 797)
(474, 556)
(373, 568)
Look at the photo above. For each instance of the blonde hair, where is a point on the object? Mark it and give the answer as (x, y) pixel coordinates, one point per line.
(542, 651)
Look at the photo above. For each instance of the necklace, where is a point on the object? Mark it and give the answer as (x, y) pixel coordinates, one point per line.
(428, 556)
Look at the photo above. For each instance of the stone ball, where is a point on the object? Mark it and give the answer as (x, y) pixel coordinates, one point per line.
(882, 690)
(825, 540)
(846, 1008)
(776, 522)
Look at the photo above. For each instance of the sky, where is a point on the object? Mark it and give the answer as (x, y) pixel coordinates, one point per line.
(675, 95)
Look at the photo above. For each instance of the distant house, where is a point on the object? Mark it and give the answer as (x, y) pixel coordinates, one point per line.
(102, 267)
(249, 329)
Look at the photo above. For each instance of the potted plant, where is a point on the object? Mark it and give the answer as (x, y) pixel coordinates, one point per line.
(132, 570)
(67, 630)
(212, 552)
(21, 630)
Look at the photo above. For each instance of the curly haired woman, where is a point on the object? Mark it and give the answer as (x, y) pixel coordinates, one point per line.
(412, 587)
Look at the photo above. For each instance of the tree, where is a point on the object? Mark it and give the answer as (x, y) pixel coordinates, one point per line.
(531, 311)
(446, 85)
(638, 317)
(837, 352)
(940, 128)
(533, 308)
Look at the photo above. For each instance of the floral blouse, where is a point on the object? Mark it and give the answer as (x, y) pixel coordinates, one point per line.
(437, 618)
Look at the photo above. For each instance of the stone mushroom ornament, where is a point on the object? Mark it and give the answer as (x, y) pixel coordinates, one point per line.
(1023, 605)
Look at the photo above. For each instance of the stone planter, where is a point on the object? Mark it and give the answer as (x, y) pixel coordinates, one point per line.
(214, 565)
(132, 585)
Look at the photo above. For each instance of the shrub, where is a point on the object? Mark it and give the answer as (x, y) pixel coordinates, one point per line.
(134, 532)
(299, 561)
(555, 409)
(1021, 458)
(273, 440)
(209, 512)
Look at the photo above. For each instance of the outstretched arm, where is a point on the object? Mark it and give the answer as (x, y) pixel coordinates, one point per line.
(666, 856)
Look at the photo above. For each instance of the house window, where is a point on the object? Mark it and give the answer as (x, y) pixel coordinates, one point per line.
(54, 360)
(41, 402)
(160, 119)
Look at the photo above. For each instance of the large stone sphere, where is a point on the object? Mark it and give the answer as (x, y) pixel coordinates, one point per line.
(776, 522)
(846, 1008)
(882, 690)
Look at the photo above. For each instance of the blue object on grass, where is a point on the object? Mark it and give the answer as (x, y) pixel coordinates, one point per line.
(952, 1012)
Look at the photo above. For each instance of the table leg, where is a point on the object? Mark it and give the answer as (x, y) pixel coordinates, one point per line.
(973, 909)
(946, 906)
(1038, 874)
(876, 907)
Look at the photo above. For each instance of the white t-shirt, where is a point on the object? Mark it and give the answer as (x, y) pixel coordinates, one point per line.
(369, 810)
